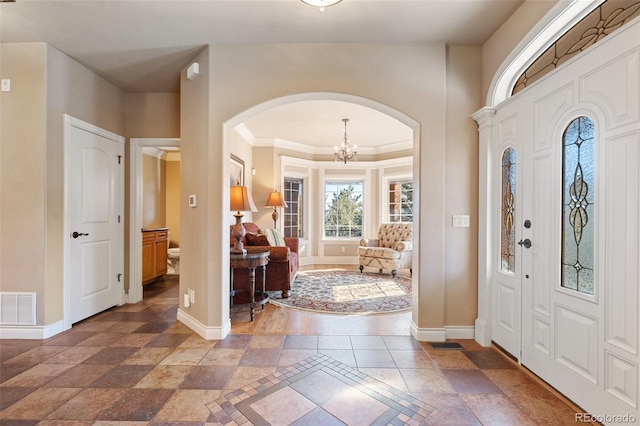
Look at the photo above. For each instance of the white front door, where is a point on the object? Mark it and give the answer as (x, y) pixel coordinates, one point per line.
(581, 192)
(94, 203)
(576, 257)
(580, 274)
(507, 290)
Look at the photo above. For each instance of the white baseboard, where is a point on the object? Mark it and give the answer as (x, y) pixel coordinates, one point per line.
(442, 334)
(483, 333)
(459, 332)
(208, 333)
(33, 332)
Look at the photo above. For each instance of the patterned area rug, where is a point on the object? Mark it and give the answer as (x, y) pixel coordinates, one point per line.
(347, 293)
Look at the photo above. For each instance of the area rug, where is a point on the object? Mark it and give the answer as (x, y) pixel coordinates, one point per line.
(347, 293)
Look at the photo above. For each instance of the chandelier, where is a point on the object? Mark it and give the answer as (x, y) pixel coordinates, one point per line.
(346, 152)
(321, 4)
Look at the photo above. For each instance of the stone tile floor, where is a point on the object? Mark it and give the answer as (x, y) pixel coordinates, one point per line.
(136, 364)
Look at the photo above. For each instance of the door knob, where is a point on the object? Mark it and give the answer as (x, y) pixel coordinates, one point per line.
(78, 234)
(526, 243)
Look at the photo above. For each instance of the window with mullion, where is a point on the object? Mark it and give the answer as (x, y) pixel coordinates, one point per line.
(293, 213)
(343, 209)
(400, 207)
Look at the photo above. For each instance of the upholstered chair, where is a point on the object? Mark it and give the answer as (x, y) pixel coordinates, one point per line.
(283, 260)
(392, 250)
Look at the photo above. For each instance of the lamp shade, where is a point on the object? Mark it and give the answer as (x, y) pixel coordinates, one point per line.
(240, 199)
(275, 200)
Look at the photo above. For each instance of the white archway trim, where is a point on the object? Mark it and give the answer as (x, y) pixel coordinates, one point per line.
(135, 210)
(556, 22)
(229, 125)
(322, 96)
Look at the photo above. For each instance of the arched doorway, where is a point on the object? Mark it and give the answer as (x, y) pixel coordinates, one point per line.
(363, 102)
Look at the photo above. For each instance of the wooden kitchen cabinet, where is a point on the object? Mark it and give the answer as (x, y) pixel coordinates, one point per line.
(155, 243)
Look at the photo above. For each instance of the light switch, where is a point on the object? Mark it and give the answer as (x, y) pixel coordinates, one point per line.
(6, 85)
(460, 220)
(193, 200)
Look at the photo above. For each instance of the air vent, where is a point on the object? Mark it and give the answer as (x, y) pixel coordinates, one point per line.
(446, 345)
(17, 308)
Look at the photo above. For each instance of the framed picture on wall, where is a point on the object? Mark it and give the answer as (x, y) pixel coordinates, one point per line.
(236, 171)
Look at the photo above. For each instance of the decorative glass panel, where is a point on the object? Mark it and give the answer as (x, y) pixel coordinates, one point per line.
(507, 231)
(599, 23)
(578, 206)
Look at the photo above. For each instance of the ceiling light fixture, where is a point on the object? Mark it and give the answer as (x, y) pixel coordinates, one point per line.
(321, 4)
(346, 153)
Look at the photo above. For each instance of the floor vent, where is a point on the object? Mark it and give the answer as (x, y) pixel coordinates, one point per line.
(446, 345)
(17, 308)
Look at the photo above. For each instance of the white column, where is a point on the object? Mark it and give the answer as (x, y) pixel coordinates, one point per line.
(486, 257)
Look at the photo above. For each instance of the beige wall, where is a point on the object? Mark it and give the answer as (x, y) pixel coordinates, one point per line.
(172, 195)
(197, 171)
(152, 115)
(243, 150)
(409, 78)
(461, 185)
(154, 203)
(75, 90)
(147, 115)
(267, 178)
(504, 40)
(23, 170)
(46, 84)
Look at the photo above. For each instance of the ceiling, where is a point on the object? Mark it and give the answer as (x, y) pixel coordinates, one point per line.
(141, 45)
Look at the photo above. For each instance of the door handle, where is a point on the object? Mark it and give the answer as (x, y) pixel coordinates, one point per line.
(526, 243)
(78, 234)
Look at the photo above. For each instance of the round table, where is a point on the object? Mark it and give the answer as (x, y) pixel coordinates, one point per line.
(250, 261)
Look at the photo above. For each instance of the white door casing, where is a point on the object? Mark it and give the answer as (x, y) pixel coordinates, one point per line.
(135, 209)
(584, 345)
(94, 252)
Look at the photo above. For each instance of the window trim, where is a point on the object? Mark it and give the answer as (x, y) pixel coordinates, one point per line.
(305, 185)
(344, 178)
(384, 185)
(384, 200)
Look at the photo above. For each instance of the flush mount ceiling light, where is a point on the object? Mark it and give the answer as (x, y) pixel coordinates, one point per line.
(321, 4)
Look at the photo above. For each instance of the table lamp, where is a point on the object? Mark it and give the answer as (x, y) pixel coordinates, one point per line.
(240, 200)
(275, 200)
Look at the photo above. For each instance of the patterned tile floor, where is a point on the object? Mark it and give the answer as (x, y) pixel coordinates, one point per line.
(137, 365)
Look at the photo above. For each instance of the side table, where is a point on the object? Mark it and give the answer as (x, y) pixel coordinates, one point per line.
(250, 261)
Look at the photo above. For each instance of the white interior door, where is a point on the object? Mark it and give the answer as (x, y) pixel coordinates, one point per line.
(94, 202)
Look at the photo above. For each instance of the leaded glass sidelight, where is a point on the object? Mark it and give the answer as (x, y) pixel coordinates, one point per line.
(507, 230)
(578, 206)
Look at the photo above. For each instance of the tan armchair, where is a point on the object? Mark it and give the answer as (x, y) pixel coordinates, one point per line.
(392, 250)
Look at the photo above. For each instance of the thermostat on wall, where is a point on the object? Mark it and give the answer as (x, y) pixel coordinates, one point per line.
(193, 200)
